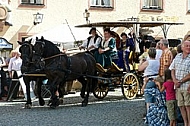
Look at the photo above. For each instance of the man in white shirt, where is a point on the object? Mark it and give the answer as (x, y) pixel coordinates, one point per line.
(14, 64)
(92, 42)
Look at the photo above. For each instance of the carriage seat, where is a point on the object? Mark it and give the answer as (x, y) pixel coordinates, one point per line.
(100, 68)
(114, 69)
(134, 66)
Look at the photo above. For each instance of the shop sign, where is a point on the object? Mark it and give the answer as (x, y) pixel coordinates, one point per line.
(159, 18)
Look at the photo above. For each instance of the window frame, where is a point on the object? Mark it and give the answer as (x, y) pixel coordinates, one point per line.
(33, 5)
(151, 8)
(101, 6)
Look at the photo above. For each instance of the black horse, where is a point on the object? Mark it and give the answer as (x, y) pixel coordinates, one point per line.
(60, 68)
(28, 66)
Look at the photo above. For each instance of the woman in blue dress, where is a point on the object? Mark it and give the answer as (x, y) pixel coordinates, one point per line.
(106, 50)
(126, 45)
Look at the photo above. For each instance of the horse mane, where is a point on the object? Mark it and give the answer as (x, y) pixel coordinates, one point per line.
(50, 48)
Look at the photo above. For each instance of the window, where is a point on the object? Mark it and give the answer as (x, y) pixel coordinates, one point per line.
(101, 3)
(152, 4)
(33, 2)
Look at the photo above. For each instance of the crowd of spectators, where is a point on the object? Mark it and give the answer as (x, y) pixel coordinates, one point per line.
(168, 77)
(166, 71)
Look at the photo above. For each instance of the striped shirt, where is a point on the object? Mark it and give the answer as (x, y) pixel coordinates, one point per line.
(182, 68)
(165, 61)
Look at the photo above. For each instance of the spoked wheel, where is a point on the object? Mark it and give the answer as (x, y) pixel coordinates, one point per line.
(130, 86)
(101, 90)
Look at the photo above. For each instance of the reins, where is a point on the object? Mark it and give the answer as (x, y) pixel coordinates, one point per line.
(61, 54)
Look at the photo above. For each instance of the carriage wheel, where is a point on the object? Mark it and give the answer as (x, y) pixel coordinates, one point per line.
(101, 90)
(130, 86)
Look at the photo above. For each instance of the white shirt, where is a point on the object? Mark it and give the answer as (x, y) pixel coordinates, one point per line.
(92, 43)
(15, 64)
(158, 54)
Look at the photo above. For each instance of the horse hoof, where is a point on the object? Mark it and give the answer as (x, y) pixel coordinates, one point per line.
(53, 106)
(84, 104)
(28, 106)
(57, 103)
(42, 102)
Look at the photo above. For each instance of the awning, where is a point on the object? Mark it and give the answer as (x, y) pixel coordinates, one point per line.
(63, 34)
(127, 24)
(5, 45)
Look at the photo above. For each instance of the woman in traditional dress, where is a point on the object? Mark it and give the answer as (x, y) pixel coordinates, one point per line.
(126, 45)
(106, 50)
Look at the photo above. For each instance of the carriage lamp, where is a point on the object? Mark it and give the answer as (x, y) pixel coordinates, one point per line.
(86, 15)
(37, 18)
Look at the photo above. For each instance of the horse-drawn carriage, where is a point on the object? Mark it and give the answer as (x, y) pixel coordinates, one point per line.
(130, 83)
(115, 77)
(60, 68)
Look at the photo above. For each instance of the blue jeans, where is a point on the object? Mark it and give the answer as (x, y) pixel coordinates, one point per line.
(149, 98)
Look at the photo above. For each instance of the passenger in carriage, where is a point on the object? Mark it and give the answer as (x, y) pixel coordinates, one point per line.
(124, 51)
(131, 40)
(92, 42)
(141, 42)
(106, 50)
(115, 58)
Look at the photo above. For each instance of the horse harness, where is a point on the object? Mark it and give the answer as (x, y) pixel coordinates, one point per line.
(67, 71)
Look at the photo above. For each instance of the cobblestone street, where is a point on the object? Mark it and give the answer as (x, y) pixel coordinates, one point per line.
(111, 111)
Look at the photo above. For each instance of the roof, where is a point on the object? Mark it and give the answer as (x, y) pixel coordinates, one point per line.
(127, 24)
(4, 44)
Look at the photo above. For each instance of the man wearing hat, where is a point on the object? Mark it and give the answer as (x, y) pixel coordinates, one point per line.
(92, 42)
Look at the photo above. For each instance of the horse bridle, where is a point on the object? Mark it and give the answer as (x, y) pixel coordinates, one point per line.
(31, 51)
(42, 43)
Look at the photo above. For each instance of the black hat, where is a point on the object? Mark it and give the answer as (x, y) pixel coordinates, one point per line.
(93, 28)
(124, 34)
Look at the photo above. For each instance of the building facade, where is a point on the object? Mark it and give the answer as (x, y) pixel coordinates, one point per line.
(56, 12)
